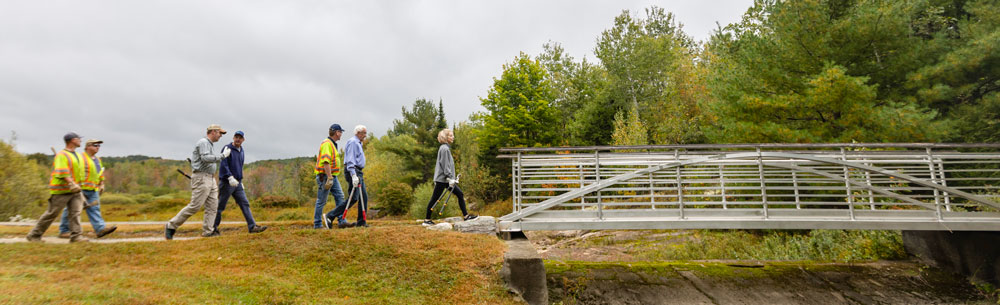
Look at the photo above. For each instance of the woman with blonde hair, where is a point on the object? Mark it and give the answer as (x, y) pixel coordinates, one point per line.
(444, 176)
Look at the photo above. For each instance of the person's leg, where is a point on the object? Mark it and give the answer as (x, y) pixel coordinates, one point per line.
(363, 203)
(56, 204)
(321, 196)
(75, 206)
(341, 204)
(438, 190)
(64, 222)
(461, 199)
(211, 207)
(240, 197)
(224, 192)
(94, 210)
(200, 189)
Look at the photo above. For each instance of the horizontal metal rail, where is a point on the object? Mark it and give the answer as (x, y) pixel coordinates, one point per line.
(953, 186)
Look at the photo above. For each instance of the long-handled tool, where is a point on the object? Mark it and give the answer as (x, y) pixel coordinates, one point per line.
(182, 172)
(361, 201)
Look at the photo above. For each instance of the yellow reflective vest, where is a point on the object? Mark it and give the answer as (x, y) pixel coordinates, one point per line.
(328, 155)
(67, 165)
(92, 176)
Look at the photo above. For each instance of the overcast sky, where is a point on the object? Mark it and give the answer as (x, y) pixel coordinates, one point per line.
(149, 76)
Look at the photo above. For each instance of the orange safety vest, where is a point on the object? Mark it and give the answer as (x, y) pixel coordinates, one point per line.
(92, 177)
(65, 166)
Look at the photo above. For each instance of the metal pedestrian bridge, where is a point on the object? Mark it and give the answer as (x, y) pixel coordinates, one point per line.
(912, 186)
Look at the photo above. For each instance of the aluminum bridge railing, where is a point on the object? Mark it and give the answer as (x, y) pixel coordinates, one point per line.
(756, 186)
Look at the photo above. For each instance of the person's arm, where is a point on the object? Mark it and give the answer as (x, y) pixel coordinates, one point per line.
(224, 171)
(446, 162)
(205, 152)
(350, 158)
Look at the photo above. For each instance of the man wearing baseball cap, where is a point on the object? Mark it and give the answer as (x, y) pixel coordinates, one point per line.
(204, 190)
(328, 164)
(64, 190)
(93, 186)
(231, 184)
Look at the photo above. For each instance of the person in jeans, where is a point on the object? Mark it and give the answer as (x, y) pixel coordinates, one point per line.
(93, 187)
(231, 184)
(204, 189)
(328, 165)
(444, 176)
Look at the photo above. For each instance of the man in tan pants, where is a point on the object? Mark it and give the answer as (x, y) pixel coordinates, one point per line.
(64, 190)
(204, 189)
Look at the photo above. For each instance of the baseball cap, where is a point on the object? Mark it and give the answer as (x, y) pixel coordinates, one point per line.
(240, 133)
(94, 141)
(336, 127)
(216, 127)
(70, 135)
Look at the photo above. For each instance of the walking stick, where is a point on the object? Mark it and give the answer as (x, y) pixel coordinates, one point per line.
(450, 191)
(347, 205)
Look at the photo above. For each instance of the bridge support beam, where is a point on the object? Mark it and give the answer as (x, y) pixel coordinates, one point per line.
(975, 254)
(524, 272)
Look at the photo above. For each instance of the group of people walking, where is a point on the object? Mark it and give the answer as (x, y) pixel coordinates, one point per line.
(77, 180)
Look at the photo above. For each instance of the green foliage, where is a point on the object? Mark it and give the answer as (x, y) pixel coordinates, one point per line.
(116, 199)
(275, 201)
(396, 198)
(417, 141)
(23, 184)
(383, 167)
(477, 182)
(580, 97)
(650, 63)
(629, 130)
(823, 245)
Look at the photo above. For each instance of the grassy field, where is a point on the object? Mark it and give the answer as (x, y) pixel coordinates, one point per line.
(392, 262)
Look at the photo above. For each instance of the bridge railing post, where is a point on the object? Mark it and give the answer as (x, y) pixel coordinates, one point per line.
(597, 168)
(937, 195)
(847, 183)
(763, 183)
(680, 187)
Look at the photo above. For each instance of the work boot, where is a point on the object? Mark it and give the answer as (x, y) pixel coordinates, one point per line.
(257, 229)
(64, 235)
(427, 223)
(106, 231)
(361, 224)
(344, 224)
(470, 217)
(169, 233)
(34, 239)
(79, 239)
(213, 234)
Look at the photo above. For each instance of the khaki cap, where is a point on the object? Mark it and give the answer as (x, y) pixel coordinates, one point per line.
(94, 141)
(216, 127)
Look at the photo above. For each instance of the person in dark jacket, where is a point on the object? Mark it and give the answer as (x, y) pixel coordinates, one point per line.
(444, 176)
(231, 184)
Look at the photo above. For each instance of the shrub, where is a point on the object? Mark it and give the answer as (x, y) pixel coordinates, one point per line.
(143, 198)
(274, 201)
(23, 184)
(423, 193)
(116, 199)
(395, 198)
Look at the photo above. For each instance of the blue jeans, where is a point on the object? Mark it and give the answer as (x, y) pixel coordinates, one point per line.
(225, 191)
(93, 213)
(321, 196)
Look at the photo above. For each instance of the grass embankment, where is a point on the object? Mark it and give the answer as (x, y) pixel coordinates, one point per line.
(383, 264)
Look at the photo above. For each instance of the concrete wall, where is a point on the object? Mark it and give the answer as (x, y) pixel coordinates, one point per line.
(971, 253)
(524, 272)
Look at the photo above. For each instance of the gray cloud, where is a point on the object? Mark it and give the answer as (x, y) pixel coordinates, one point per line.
(149, 76)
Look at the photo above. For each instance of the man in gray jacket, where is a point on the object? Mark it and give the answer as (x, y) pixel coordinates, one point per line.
(204, 190)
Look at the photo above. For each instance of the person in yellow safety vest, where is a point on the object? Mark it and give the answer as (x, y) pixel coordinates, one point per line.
(93, 187)
(328, 164)
(64, 190)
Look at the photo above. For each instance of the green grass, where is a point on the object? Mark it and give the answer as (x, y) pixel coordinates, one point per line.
(388, 263)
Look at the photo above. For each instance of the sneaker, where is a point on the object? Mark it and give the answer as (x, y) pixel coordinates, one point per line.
(213, 234)
(169, 233)
(427, 223)
(106, 231)
(470, 217)
(79, 239)
(257, 229)
(344, 224)
(329, 221)
(34, 239)
(326, 221)
(64, 235)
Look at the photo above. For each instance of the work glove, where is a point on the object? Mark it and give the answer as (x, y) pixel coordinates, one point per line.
(226, 152)
(329, 183)
(74, 188)
(354, 180)
(451, 183)
(233, 182)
